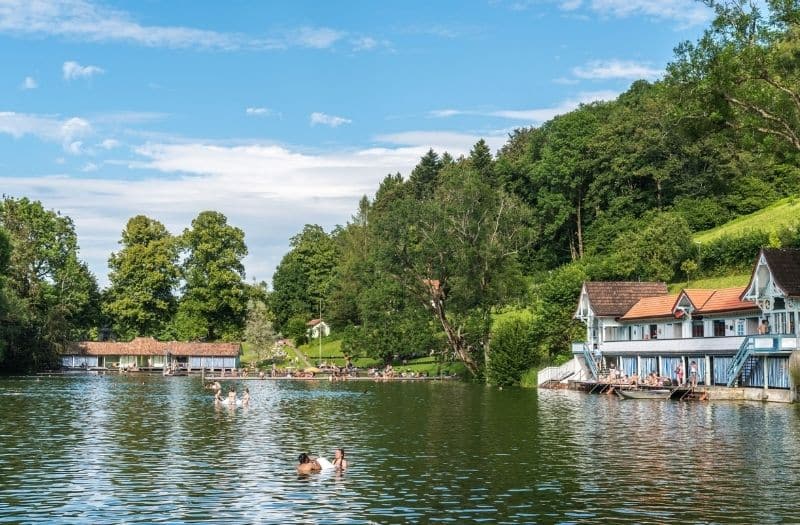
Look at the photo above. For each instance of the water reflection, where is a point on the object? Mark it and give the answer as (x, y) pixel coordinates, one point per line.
(140, 450)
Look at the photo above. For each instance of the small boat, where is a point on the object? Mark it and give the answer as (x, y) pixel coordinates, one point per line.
(645, 394)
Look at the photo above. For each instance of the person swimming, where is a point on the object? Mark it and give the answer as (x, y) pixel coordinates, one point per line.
(306, 465)
(232, 396)
(246, 397)
(339, 463)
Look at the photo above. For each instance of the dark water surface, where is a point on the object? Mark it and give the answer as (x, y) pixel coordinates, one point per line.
(155, 450)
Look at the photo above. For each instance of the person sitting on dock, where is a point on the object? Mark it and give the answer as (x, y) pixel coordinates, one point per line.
(633, 379)
(306, 465)
(246, 397)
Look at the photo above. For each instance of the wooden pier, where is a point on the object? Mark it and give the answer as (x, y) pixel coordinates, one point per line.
(681, 393)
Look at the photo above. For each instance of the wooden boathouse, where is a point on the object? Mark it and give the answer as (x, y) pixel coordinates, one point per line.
(740, 339)
(147, 353)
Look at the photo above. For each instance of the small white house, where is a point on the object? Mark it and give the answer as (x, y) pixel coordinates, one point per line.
(317, 327)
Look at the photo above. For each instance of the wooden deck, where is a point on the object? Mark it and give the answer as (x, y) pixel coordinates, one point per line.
(684, 392)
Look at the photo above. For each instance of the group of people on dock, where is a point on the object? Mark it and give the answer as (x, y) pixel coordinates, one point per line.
(618, 377)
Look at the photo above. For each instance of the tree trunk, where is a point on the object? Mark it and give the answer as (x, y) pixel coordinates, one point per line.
(580, 226)
(455, 340)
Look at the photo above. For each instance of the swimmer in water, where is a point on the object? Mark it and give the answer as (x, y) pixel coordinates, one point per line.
(246, 397)
(232, 396)
(339, 463)
(306, 465)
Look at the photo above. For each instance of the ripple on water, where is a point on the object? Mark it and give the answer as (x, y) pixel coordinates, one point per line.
(150, 449)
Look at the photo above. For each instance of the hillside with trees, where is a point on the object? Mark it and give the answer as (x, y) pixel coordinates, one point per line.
(479, 259)
(476, 259)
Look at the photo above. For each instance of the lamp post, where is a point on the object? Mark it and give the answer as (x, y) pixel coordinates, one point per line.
(319, 330)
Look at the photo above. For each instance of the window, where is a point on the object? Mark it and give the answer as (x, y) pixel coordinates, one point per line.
(740, 327)
(653, 331)
(719, 328)
(697, 329)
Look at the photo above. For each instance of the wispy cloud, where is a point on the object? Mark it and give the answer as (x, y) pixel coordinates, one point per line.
(610, 69)
(534, 115)
(258, 112)
(29, 83)
(85, 20)
(328, 120)
(685, 13)
(67, 132)
(316, 37)
(109, 144)
(72, 70)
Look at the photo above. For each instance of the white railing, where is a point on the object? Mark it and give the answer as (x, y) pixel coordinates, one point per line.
(572, 369)
(696, 344)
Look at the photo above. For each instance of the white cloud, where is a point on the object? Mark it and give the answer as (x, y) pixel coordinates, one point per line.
(252, 184)
(258, 112)
(89, 21)
(328, 120)
(73, 70)
(535, 115)
(89, 167)
(110, 144)
(48, 128)
(29, 83)
(685, 12)
(614, 68)
(315, 37)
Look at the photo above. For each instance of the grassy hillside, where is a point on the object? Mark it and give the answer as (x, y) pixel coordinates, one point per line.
(724, 281)
(783, 213)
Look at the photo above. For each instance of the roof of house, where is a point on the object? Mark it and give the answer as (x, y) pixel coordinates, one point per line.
(315, 322)
(698, 296)
(150, 346)
(724, 300)
(615, 298)
(784, 264)
(652, 307)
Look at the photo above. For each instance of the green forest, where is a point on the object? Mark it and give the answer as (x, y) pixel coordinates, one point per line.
(478, 259)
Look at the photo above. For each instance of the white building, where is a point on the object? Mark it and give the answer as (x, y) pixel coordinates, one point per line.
(317, 327)
(736, 336)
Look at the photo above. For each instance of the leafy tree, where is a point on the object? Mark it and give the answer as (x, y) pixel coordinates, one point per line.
(304, 277)
(214, 302)
(50, 294)
(513, 349)
(747, 66)
(258, 329)
(456, 254)
(143, 277)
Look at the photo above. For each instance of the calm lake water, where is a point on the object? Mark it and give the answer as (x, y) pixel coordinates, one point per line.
(153, 450)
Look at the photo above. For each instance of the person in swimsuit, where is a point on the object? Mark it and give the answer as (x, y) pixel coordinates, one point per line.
(232, 397)
(339, 463)
(306, 465)
(246, 397)
(217, 397)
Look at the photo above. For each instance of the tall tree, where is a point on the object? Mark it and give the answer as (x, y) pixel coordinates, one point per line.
(214, 302)
(52, 295)
(303, 279)
(747, 67)
(456, 254)
(144, 275)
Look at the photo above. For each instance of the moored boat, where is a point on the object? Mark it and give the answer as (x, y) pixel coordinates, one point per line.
(645, 394)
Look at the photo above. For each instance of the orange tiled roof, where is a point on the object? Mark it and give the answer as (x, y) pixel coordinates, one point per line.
(698, 296)
(724, 300)
(652, 307)
(150, 346)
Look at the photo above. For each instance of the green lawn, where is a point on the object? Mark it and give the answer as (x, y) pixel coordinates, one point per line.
(783, 213)
(725, 281)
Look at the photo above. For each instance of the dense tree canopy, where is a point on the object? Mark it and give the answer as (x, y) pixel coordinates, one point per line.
(144, 277)
(214, 302)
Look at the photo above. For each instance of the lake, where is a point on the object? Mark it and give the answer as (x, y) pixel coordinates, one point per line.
(138, 449)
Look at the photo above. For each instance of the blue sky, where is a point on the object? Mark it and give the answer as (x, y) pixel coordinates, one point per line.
(282, 114)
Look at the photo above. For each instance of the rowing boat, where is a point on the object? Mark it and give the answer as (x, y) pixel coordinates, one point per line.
(645, 394)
